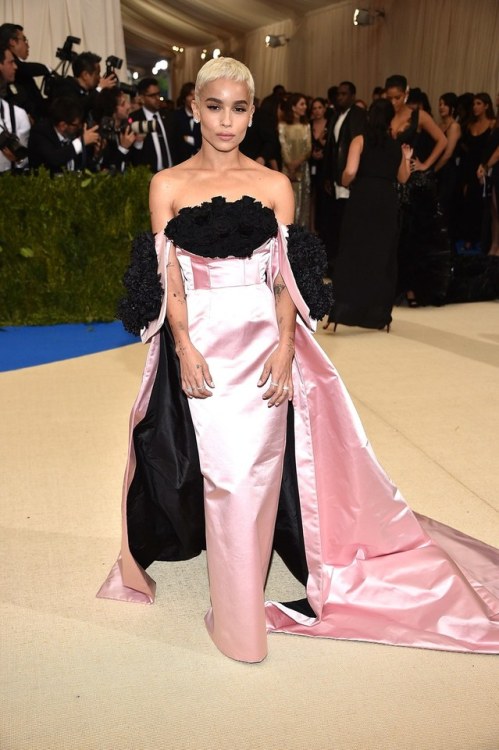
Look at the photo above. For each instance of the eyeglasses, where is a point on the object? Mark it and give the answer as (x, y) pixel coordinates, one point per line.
(21, 39)
(153, 94)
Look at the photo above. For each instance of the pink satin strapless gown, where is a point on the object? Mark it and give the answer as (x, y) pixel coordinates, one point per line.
(231, 313)
(376, 571)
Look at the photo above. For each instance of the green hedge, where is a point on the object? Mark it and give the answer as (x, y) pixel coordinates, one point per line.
(65, 243)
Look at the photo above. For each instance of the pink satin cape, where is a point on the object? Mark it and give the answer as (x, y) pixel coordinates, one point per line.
(377, 571)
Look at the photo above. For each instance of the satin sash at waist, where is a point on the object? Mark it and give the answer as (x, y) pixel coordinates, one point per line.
(216, 273)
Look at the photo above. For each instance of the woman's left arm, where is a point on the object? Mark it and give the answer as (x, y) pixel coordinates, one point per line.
(454, 134)
(278, 365)
(353, 161)
(428, 124)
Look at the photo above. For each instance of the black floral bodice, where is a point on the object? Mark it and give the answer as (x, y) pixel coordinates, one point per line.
(220, 229)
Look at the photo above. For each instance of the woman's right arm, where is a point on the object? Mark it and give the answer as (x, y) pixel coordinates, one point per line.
(404, 170)
(194, 370)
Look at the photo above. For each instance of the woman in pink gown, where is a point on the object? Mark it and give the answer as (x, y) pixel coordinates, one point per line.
(243, 437)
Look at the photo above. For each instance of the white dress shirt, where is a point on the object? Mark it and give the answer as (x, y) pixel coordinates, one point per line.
(23, 126)
(139, 144)
(340, 191)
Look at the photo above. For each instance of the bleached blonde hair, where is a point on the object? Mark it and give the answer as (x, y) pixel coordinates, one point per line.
(224, 67)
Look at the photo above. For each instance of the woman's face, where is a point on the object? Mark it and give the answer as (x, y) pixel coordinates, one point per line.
(479, 107)
(318, 110)
(122, 108)
(300, 108)
(224, 109)
(443, 108)
(396, 96)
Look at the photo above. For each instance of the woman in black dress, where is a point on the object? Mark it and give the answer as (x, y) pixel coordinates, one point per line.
(475, 144)
(423, 254)
(446, 168)
(318, 127)
(366, 270)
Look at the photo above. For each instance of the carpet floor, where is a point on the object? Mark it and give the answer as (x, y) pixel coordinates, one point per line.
(26, 346)
(82, 673)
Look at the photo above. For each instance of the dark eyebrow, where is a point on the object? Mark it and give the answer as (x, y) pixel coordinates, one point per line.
(219, 101)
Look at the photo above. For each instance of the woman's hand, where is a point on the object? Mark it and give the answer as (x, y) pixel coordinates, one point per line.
(417, 166)
(278, 369)
(194, 372)
(407, 151)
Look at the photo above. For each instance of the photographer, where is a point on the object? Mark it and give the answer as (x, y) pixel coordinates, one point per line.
(156, 149)
(27, 94)
(63, 142)
(14, 122)
(87, 81)
(111, 113)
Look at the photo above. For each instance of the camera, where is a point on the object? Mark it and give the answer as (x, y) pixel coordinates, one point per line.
(12, 142)
(107, 128)
(114, 63)
(143, 127)
(66, 52)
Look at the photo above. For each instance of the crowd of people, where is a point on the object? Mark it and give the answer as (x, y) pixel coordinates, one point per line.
(438, 178)
(88, 120)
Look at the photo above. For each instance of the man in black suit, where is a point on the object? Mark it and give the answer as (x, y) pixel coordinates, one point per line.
(24, 92)
(86, 83)
(63, 141)
(155, 150)
(187, 132)
(347, 122)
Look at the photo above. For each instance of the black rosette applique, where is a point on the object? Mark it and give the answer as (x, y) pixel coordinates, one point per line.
(144, 292)
(308, 260)
(220, 228)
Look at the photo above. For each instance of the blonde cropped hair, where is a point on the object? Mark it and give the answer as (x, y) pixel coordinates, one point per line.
(224, 67)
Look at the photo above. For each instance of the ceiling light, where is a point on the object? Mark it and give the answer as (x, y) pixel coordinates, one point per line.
(276, 40)
(216, 53)
(363, 17)
(160, 65)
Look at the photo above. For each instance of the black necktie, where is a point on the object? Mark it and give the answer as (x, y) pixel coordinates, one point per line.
(164, 150)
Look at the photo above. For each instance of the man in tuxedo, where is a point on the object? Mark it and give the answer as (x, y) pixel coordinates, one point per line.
(13, 120)
(85, 83)
(269, 119)
(63, 141)
(187, 133)
(23, 92)
(347, 122)
(156, 149)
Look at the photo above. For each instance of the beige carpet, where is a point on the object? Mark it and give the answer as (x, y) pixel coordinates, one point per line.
(89, 674)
